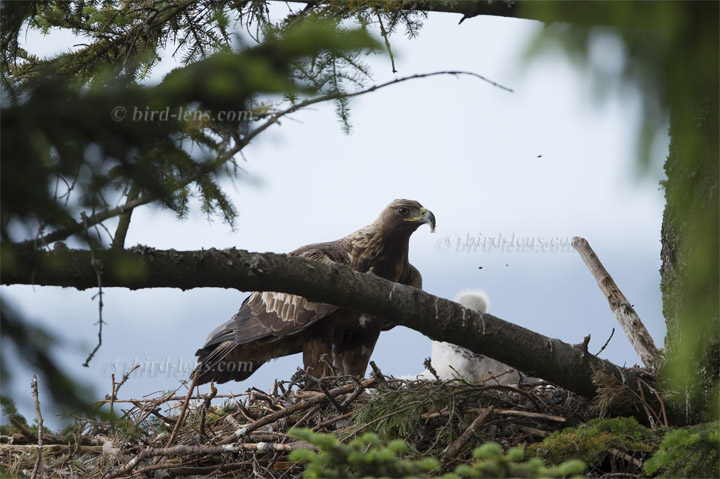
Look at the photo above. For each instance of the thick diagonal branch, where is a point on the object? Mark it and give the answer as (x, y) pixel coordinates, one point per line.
(569, 366)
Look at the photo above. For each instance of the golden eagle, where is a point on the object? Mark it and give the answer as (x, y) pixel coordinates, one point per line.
(270, 324)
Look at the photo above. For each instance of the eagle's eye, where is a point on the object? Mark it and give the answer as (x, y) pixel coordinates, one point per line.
(402, 211)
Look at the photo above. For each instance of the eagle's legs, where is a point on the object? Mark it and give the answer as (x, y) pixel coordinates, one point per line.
(353, 348)
(317, 352)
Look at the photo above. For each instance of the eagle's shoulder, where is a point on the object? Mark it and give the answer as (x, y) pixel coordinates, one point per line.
(412, 277)
(328, 252)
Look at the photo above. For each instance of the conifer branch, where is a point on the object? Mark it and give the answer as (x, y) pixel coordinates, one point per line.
(223, 158)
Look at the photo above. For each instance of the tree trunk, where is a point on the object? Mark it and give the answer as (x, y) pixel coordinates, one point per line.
(689, 255)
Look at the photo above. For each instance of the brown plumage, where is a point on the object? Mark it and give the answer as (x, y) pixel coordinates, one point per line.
(270, 325)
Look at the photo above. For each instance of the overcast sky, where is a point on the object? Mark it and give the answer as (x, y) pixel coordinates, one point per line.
(544, 163)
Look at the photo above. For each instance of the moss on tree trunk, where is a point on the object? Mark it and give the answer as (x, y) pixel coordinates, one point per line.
(690, 238)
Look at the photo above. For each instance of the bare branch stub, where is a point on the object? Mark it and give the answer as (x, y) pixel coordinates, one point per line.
(38, 469)
(634, 328)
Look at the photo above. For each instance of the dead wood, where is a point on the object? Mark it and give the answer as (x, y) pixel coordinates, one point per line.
(634, 328)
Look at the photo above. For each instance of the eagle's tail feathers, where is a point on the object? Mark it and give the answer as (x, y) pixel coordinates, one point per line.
(214, 364)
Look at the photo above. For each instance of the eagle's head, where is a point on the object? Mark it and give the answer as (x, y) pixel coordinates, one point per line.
(406, 215)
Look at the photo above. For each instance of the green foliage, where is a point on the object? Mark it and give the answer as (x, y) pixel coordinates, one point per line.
(76, 125)
(591, 441)
(492, 463)
(10, 410)
(690, 452)
(400, 412)
(368, 456)
(70, 147)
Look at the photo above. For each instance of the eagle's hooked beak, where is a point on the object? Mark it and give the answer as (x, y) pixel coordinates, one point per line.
(429, 218)
(426, 216)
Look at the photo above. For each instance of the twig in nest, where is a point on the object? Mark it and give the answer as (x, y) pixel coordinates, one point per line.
(249, 415)
(653, 416)
(533, 399)
(205, 406)
(117, 386)
(321, 382)
(584, 345)
(27, 433)
(626, 457)
(256, 394)
(532, 430)
(428, 365)
(38, 469)
(297, 407)
(358, 391)
(330, 366)
(181, 416)
(662, 404)
(336, 405)
(496, 377)
(448, 423)
(454, 449)
(329, 422)
(382, 383)
(502, 412)
(183, 450)
(194, 471)
(307, 416)
(606, 343)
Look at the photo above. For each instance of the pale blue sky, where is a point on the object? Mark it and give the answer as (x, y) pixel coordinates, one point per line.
(545, 161)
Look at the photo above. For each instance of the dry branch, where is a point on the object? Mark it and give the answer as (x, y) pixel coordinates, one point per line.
(301, 406)
(539, 356)
(38, 469)
(634, 328)
(63, 448)
(501, 412)
(454, 449)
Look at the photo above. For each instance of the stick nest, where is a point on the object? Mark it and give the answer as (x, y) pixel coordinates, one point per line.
(246, 435)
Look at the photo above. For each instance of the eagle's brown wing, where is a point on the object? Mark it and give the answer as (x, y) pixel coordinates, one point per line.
(265, 317)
